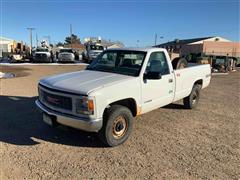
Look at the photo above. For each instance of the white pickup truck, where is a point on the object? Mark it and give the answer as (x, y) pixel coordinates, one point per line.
(66, 55)
(117, 86)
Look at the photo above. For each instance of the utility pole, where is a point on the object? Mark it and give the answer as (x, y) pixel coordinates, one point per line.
(71, 34)
(155, 39)
(30, 33)
(161, 37)
(36, 40)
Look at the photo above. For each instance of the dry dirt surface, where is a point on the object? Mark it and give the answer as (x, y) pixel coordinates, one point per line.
(168, 143)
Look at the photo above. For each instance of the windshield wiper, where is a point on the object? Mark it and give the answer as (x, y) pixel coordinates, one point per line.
(100, 69)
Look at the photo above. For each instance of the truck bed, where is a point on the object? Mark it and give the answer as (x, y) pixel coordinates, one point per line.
(185, 78)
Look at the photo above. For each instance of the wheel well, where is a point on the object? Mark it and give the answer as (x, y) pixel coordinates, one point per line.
(199, 82)
(129, 103)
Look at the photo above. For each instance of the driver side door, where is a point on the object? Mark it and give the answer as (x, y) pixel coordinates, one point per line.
(157, 92)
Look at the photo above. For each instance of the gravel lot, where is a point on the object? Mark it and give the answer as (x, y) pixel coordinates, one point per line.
(168, 143)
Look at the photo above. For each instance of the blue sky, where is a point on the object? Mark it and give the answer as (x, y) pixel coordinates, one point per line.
(127, 21)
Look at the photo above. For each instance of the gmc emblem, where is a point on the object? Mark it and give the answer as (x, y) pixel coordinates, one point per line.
(52, 100)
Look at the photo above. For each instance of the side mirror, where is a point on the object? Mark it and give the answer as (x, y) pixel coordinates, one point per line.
(152, 75)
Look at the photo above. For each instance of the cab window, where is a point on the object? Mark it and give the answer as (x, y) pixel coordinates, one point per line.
(158, 63)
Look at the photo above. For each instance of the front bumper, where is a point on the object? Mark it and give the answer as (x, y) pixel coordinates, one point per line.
(85, 124)
(66, 60)
(45, 59)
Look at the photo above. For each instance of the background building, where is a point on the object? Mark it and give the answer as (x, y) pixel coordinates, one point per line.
(216, 46)
(10, 46)
(5, 45)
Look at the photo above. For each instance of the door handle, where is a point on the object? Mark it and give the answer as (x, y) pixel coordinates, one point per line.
(170, 80)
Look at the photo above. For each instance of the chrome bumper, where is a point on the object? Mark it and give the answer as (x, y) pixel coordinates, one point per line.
(90, 125)
(66, 60)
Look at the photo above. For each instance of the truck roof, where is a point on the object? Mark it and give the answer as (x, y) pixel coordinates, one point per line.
(146, 49)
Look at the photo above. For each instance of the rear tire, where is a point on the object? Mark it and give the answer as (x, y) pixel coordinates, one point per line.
(192, 100)
(117, 125)
(179, 63)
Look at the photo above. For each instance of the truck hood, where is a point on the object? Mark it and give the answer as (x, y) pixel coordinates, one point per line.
(65, 53)
(83, 82)
(96, 51)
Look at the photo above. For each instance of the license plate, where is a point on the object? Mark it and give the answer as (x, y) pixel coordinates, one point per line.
(47, 119)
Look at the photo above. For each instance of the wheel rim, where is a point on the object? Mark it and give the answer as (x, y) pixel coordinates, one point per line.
(195, 97)
(119, 127)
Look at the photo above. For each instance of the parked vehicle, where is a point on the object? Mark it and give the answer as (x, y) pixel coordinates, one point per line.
(66, 55)
(15, 57)
(117, 86)
(19, 52)
(42, 55)
(219, 63)
(93, 49)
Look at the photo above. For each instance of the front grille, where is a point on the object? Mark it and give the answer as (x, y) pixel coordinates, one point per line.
(41, 57)
(57, 101)
(66, 56)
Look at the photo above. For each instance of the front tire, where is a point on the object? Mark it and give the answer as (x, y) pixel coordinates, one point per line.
(117, 125)
(192, 100)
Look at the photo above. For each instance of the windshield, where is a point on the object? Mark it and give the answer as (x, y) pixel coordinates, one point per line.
(96, 47)
(66, 50)
(41, 50)
(119, 61)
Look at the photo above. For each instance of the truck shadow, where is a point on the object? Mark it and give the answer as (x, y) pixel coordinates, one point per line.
(21, 124)
(174, 106)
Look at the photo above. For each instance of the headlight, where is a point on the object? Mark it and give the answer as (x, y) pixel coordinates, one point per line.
(85, 106)
(40, 94)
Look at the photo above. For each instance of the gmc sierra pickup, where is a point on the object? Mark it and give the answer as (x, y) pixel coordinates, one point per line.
(117, 86)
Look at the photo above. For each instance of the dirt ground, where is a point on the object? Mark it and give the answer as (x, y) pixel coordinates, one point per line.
(168, 143)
